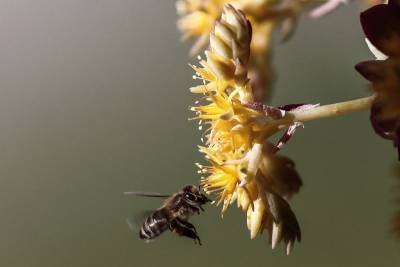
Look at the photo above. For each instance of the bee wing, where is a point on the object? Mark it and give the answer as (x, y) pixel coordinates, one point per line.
(146, 194)
(136, 220)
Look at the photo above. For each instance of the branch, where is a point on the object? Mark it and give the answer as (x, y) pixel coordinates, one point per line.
(326, 111)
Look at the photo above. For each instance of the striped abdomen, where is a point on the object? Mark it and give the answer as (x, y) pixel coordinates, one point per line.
(154, 225)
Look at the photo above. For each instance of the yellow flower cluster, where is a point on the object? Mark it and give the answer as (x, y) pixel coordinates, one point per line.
(198, 18)
(243, 165)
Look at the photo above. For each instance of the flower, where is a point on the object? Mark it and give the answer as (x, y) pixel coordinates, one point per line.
(381, 25)
(243, 166)
(197, 19)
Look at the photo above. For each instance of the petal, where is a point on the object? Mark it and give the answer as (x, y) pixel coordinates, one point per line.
(375, 51)
(386, 128)
(255, 217)
(287, 136)
(381, 25)
(280, 175)
(397, 143)
(298, 107)
(372, 70)
(283, 214)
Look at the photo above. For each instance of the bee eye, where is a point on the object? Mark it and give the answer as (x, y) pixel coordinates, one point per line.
(190, 196)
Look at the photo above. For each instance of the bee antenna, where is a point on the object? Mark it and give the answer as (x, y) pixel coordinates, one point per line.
(146, 194)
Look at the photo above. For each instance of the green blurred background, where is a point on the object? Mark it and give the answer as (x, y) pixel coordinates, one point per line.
(94, 102)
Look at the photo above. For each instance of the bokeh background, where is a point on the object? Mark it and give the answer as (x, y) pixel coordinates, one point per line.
(94, 102)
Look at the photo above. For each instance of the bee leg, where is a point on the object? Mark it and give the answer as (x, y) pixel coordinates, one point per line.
(185, 229)
(189, 225)
(197, 210)
(191, 229)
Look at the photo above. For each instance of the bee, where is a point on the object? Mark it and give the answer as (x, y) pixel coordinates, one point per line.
(174, 214)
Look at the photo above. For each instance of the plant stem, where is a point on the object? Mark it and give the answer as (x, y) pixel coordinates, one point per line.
(325, 111)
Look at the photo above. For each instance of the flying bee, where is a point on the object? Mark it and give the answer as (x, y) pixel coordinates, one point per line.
(174, 214)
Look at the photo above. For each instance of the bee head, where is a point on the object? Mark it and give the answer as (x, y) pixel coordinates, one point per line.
(193, 195)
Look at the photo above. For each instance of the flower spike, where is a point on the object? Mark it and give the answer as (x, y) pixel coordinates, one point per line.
(244, 165)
